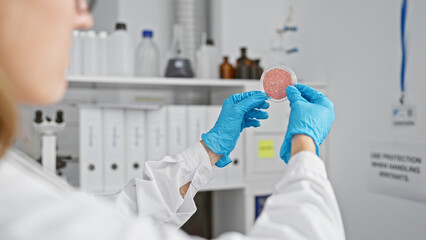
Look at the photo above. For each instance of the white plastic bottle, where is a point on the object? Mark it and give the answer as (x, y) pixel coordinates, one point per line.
(147, 57)
(103, 53)
(75, 67)
(207, 60)
(90, 54)
(120, 52)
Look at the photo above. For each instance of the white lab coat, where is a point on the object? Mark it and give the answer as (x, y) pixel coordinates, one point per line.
(36, 205)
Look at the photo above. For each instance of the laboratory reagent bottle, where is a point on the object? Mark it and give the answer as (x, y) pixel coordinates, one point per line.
(75, 67)
(120, 53)
(147, 56)
(207, 60)
(103, 53)
(90, 54)
(243, 65)
(256, 69)
(227, 71)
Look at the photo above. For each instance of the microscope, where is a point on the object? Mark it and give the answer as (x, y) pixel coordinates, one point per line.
(49, 130)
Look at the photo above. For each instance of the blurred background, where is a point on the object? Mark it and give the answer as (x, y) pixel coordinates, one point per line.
(160, 63)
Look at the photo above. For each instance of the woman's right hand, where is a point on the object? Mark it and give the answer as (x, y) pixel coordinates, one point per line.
(311, 114)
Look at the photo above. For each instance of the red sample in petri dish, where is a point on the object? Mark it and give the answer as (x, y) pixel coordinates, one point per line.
(275, 80)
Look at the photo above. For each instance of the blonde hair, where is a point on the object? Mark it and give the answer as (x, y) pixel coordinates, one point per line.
(8, 116)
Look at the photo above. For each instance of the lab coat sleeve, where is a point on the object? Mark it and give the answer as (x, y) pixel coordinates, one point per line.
(156, 195)
(303, 206)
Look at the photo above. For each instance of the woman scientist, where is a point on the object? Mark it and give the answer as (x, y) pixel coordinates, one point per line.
(34, 45)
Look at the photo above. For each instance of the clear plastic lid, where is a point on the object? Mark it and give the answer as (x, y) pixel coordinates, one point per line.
(275, 80)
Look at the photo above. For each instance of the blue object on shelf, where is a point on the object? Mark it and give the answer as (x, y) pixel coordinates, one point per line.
(259, 204)
(288, 28)
(147, 33)
(293, 50)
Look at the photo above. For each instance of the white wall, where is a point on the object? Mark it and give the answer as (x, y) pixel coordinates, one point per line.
(147, 14)
(253, 23)
(105, 15)
(363, 71)
(138, 14)
(355, 47)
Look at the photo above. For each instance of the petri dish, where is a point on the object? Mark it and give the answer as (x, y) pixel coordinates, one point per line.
(275, 80)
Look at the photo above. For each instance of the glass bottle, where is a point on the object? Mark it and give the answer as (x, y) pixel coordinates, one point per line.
(256, 70)
(147, 57)
(243, 65)
(227, 71)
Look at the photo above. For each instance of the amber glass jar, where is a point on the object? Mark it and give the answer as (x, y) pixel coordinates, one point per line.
(227, 71)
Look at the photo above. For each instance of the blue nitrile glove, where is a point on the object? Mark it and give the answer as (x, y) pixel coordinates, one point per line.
(311, 114)
(238, 112)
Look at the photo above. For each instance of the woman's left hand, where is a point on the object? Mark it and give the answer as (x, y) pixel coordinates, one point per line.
(238, 112)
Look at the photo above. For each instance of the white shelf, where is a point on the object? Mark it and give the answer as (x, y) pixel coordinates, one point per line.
(163, 81)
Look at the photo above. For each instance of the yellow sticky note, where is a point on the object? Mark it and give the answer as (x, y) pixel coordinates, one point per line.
(265, 149)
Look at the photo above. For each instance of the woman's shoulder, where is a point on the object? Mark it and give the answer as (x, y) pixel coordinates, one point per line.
(17, 168)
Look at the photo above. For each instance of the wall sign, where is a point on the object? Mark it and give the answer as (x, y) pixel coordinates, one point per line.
(398, 169)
